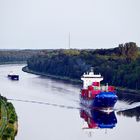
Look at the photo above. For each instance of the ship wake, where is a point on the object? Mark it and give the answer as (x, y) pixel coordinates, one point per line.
(128, 107)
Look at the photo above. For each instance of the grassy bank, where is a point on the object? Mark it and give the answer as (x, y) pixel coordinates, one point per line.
(8, 122)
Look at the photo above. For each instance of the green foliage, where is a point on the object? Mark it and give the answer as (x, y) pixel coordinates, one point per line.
(8, 132)
(11, 56)
(10, 119)
(11, 112)
(119, 66)
(128, 50)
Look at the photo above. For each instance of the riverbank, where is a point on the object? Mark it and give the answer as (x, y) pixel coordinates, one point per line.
(8, 121)
(130, 91)
(67, 79)
(119, 89)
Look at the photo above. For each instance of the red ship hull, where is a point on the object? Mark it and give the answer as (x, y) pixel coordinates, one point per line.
(98, 99)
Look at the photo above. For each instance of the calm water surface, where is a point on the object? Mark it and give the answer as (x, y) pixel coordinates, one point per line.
(49, 110)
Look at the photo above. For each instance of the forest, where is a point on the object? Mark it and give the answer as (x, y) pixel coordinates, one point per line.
(120, 66)
(16, 56)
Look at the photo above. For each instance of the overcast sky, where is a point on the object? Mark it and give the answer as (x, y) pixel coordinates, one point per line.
(46, 23)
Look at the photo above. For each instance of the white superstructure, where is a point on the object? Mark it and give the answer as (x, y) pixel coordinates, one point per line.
(89, 78)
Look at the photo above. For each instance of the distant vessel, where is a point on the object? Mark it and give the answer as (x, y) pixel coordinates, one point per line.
(13, 76)
(97, 119)
(95, 96)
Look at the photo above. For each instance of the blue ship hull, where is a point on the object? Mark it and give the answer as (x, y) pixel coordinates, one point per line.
(103, 100)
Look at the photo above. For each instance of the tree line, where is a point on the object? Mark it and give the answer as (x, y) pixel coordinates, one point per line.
(119, 66)
(11, 56)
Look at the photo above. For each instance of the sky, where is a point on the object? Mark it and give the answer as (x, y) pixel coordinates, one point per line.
(46, 24)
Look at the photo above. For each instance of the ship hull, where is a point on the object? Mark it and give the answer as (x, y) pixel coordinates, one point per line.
(103, 100)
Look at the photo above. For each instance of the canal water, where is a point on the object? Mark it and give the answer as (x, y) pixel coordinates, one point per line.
(49, 109)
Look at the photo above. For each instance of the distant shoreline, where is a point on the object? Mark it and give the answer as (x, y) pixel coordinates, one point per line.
(15, 62)
(119, 89)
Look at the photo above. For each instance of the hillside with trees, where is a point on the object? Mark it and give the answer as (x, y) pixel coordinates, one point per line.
(119, 66)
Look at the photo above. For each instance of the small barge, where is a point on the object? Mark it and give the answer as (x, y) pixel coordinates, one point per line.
(13, 76)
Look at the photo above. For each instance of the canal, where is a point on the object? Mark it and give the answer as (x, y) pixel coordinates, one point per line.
(49, 109)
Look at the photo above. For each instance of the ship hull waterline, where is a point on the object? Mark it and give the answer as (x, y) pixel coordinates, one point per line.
(102, 101)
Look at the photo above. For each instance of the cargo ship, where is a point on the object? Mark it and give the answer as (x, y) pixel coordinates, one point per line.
(13, 76)
(94, 119)
(95, 96)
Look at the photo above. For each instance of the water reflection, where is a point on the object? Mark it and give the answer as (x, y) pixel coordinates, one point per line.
(134, 101)
(128, 97)
(98, 119)
(135, 112)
